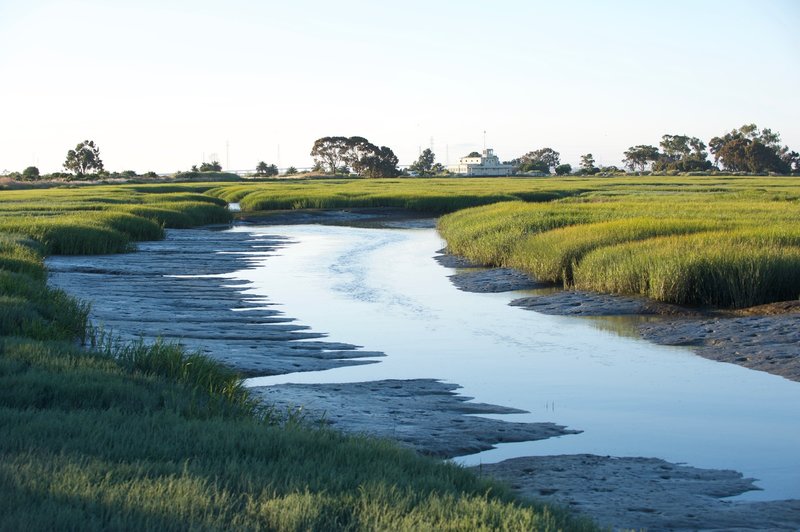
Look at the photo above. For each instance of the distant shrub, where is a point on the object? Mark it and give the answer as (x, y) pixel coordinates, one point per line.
(30, 173)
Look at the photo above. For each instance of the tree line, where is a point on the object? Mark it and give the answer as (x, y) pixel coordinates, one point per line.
(747, 149)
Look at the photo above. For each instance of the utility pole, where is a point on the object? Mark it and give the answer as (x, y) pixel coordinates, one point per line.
(484, 140)
(227, 155)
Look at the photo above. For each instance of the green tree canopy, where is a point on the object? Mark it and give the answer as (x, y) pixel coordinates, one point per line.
(542, 160)
(640, 156)
(337, 153)
(587, 164)
(330, 152)
(424, 165)
(377, 162)
(563, 169)
(266, 170)
(213, 166)
(749, 149)
(30, 173)
(682, 153)
(84, 158)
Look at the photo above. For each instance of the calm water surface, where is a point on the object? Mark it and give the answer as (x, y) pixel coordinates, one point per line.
(381, 289)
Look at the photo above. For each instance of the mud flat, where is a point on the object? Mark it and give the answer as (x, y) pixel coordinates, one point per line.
(424, 414)
(644, 493)
(765, 338)
(175, 289)
(354, 217)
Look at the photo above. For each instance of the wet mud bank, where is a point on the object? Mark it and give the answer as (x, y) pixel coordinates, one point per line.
(175, 289)
(764, 338)
(424, 414)
(644, 493)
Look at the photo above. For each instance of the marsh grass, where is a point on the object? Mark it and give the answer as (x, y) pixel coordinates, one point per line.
(553, 255)
(720, 269)
(28, 307)
(723, 246)
(105, 219)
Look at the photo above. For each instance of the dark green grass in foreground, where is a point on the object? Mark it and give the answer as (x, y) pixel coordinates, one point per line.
(149, 437)
(91, 444)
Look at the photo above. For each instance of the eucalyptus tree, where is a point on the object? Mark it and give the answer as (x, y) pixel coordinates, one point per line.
(587, 164)
(424, 165)
(640, 156)
(330, 152)
(84, 158)
(749, 149)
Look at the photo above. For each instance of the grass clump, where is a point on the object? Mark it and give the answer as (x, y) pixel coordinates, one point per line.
(434, 196)
(728, 245)
(105, 219)
(718, 269)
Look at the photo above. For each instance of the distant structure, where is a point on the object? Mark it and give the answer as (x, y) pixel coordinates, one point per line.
(486, 164)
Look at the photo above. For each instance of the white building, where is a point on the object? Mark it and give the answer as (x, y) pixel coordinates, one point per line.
(487, 164)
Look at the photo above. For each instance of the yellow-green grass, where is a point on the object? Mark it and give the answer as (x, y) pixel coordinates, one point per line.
(724, 247)
(723, 268)
(440, 195)
(427, 195)
(105, 219)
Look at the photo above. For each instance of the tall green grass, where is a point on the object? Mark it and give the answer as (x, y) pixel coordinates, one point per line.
(440, 195)
(726, 246)
(105, 219)
(425, 195)
(552, 256)
(721, 269)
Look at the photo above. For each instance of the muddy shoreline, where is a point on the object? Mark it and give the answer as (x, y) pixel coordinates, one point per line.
(150, 294)
(763, 338)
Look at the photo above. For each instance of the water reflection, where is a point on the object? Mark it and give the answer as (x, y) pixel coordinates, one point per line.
(380, 288)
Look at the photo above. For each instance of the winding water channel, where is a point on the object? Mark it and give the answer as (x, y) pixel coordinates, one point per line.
(381, 289)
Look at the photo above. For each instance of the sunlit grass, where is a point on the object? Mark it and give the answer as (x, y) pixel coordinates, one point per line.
(702, 247)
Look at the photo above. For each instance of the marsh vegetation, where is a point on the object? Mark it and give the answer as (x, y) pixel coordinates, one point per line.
(723, 241)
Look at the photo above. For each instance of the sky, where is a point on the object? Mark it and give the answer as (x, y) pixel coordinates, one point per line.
(164, 84)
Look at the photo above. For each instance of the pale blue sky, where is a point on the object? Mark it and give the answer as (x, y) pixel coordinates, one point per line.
(158, 84)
